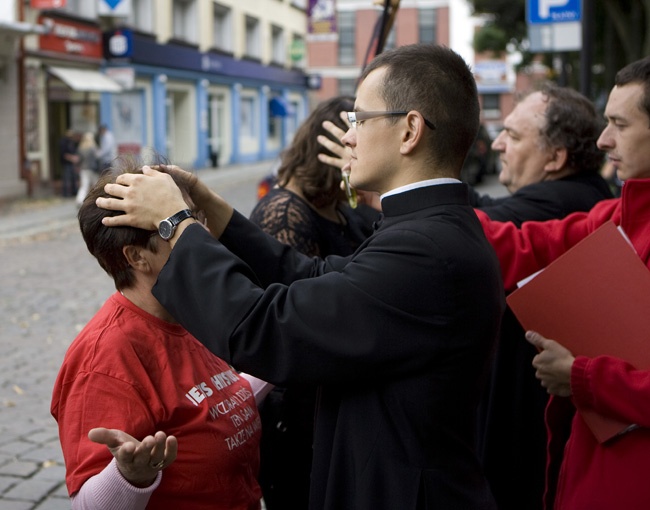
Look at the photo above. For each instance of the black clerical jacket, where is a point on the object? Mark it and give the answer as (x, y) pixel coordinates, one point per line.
(398, 335)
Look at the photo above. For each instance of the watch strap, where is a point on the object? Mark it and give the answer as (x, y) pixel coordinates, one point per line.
(180, 216)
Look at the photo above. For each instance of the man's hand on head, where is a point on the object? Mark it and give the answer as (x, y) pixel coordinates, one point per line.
(341, 153)
(200, 194)
(146, 199)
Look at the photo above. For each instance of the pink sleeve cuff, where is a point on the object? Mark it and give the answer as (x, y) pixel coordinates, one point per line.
(108, 490)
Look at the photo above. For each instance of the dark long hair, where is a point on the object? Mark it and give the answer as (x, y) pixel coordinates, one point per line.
(319, 183)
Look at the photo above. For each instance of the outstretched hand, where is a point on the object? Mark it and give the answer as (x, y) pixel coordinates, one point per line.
(139, 462)
(146, 199)
(552, 364)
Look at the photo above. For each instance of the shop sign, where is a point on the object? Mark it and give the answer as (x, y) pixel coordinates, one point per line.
(47, 4)
(70, 37)
(119, 44)
(321, 17)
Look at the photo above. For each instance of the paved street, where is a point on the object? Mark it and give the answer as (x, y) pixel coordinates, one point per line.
(50, 287)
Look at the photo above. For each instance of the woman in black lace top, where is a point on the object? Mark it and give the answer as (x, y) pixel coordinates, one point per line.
(307, 210)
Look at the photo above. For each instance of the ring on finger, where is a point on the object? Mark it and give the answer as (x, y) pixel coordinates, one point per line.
(157, 465)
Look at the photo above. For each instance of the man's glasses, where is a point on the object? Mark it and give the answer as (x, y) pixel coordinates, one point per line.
(356, 118)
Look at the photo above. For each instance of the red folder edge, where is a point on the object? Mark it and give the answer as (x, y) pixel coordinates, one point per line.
(594, 300)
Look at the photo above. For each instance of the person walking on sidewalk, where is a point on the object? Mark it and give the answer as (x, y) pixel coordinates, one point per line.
(88, 165)
(107, 147)
(69, 160)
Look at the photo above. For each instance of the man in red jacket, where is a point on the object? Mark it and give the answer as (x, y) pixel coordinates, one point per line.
(594, 475)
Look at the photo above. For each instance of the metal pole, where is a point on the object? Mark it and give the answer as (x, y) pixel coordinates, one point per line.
(586, 50)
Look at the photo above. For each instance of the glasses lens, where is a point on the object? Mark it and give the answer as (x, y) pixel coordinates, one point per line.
(352, 119)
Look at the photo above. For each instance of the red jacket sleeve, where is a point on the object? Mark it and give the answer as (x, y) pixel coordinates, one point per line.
(611, 387)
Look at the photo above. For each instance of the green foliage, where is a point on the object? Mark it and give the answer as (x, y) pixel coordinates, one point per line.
(490, 38)
(619, 34)
(508, 15)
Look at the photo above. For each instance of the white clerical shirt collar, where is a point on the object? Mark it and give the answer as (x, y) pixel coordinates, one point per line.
(419, 184)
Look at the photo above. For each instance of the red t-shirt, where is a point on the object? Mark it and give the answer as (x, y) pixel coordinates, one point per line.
(131, 371)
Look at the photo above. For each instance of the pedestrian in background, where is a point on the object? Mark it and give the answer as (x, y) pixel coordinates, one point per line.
(69, 160)
(306, 210)
(107, 147)
(88, 165)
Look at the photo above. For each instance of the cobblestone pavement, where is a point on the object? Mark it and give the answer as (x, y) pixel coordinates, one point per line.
(50, 287)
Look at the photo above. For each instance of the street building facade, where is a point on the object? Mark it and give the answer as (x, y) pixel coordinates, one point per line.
(201, 82)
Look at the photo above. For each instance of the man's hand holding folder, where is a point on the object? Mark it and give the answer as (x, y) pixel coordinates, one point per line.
(552, 364)
(592, 301)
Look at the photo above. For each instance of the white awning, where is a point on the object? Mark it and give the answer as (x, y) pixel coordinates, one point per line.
(20, 28)
(85, 80)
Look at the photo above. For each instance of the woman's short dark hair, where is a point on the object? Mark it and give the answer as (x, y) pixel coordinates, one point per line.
(319, 183)
(106, 243)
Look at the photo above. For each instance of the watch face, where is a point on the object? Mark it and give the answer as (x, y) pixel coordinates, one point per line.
(165, 229)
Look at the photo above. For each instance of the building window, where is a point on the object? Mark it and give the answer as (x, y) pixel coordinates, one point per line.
(141, 15)
(222, 27)
(185, 21)
(346, 23)
(347, 86)
(81, 8)
(248, 119)
(491, 106)
(278, 51)
(252, 37)
(275, 121)
(427, 25)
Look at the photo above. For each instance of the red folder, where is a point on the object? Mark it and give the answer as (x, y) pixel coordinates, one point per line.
(594, 300)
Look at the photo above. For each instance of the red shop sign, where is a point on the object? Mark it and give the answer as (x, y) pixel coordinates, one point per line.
(71, 38)
(47, 4)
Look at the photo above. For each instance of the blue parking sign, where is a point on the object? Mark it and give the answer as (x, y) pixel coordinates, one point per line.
(553, 11)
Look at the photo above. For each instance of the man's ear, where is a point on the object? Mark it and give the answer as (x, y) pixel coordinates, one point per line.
(413, 132)
(558, 161)
(136, 258)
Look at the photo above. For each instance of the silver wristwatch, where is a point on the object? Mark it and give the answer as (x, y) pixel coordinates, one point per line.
(167, 227)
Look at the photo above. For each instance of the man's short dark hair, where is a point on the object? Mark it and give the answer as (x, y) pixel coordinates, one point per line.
(573, 123)
(106, 243)
(637, 72)
(436, 82)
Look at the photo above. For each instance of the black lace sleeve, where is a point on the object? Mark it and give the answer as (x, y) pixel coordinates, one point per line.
(289, 219)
